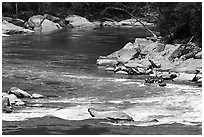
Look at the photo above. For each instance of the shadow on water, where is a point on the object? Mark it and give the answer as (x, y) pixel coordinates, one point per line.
(83, 130)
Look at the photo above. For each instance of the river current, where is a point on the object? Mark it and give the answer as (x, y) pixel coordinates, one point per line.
(62, 66)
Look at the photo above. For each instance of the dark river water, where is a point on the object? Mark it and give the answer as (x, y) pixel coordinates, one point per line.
(62, 67)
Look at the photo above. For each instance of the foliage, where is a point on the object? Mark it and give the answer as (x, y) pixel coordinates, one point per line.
(176, 21)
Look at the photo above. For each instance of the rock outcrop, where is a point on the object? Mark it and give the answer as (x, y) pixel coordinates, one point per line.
(40, 23)
(146, 56)
(9, 28)
(79, 22)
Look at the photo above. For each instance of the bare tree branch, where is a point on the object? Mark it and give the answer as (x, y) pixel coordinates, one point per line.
(132, 16)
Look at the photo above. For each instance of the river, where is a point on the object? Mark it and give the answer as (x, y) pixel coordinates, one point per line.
(62, 67)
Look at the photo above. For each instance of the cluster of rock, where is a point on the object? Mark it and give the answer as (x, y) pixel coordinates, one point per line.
(179, 62)
(14, 98)
(50, 23)
(126, 23)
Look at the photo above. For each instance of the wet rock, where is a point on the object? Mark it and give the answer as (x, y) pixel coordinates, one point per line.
(35, 96)
(110, 69)
(20, 103)
(111, 115)
(185, 77)
(79, 22)
(6, 105)
(19, 93)
(121, 72)
(13, 99)
(9, 28)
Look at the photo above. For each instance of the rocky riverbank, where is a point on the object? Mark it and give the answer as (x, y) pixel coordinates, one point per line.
(48, 22)
(179, 62)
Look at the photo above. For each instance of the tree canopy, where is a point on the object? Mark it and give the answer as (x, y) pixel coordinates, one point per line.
(176, 21)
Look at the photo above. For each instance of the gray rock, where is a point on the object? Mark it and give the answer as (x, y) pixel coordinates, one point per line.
(19, 93)
(185, 77)
(112, 115)
(20, 103)
(40, 23)
(48, 25)
(9, 28)
(6, 105)
(13, 99)
(79, 22)
(35, 95)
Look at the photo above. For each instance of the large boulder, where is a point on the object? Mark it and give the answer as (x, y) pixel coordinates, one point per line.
(9, 28)
(188, 66)
(40, 23)
(48, 25)
(15, 21)
(19, 93)
(111, 115)
(79, 22)
(35, 22)
(127, 52)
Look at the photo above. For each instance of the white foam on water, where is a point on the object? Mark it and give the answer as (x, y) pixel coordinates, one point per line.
(120, 80)
(27, 113)
(82, 100)
(173, 106)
